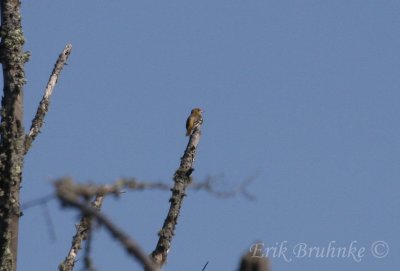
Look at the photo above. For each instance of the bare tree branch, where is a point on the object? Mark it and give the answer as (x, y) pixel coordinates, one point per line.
(82, 231)
(38, 201)
(69, 199)
(43, 108)
(204, 268)
(181, 180)
(116, 188)
(49, 222)
(209, 185)
(88, 191)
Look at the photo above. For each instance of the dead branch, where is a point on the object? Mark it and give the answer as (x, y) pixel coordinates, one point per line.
(43, 107)
(204, 268)
(87, 191)
(82, 231)
(209, 185)
(68, 199)
(181, 180)
(38, 201)
(49, 222)
(118, 187)
(91, 190)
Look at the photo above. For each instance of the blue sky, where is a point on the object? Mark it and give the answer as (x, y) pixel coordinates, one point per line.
(304, 93)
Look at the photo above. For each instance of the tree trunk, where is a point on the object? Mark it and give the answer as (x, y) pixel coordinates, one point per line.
(11, 130)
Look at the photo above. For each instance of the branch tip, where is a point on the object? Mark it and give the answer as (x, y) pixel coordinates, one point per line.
(43, 107)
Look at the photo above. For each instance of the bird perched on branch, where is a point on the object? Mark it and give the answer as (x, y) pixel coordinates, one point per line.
(194, 120)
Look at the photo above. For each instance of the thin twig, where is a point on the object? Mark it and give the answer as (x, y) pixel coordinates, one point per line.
(49, 222)
(181, 180)
(43, 107)
(209, 185)
(39, 201)
(132, 248)
(204, 268)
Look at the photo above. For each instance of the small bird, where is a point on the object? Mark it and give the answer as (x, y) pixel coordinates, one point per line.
(193, 121)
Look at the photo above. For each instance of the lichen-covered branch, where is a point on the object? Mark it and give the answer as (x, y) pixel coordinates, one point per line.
(12, 59)
(116, 188)
(181, 181)
(43, 108)
(82, 231)
(69, 199)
